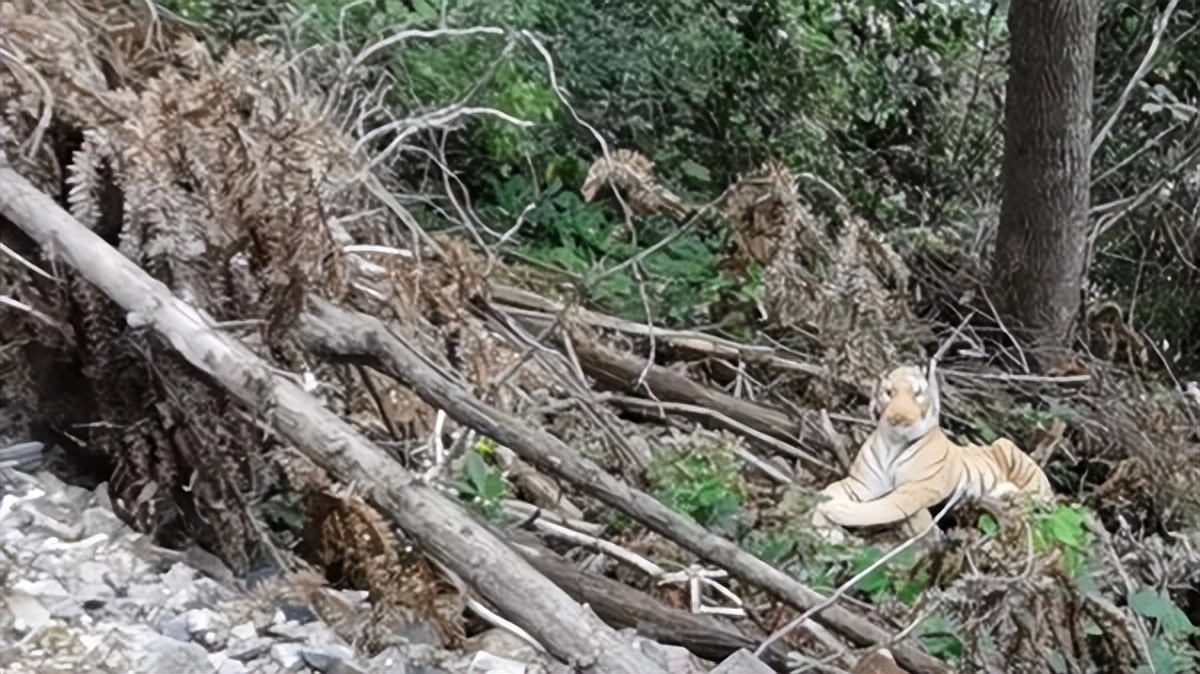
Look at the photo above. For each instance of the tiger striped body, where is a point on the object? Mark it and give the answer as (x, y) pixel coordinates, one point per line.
(908, 465)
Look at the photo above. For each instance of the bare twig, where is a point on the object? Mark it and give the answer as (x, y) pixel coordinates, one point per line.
(1030, 378)
(531, 306)
(26, 263)
(733, 424)
(1147, 61)
(426, 34)
(611, 549)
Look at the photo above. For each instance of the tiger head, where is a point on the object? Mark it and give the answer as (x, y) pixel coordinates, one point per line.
(908, 401)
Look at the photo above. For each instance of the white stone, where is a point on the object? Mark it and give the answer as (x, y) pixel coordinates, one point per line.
(27, 612)
(245, 631)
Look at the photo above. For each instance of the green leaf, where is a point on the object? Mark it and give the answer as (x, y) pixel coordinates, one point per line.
(1151, 604)
(695, 170)
(875, 582)
(1163, 659)
(986, 432)
(477, 471)
(939, 636)
(424, 9)
(494, 487)
(987, 524)
(1065, 527)
(908, 591)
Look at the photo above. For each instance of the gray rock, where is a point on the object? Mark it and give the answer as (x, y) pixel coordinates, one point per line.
(503, 643)
(227, 665)
(343, 667)
(27, 612)
(486, 663)
(742, 662)
(91, 572)
(47, 588)
(179, 580)
(407, 660)
(325, 658)
(100, 521)
(249, 649)
(93, 596)
(177, 628)
(288, 630)
(65, 609)
(418, 632)
(26, 457)
(289, 656)
(243, 632)
(206, 628)
(170, 655)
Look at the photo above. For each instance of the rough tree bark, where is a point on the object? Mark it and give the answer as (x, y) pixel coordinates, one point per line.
(1038, 264)
(571, 632)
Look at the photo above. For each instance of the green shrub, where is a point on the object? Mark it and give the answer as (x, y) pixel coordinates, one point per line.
(702, 483)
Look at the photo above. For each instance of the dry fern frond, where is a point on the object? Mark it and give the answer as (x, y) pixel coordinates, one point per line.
(350, 540)
(355, 546)
(767, 218)
(849, 291)
(222, 180)
(633, 174)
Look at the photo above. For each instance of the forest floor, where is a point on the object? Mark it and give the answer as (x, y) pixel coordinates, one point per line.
(292, 452)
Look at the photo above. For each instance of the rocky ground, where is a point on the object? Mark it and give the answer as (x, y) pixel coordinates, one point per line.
(83, 592)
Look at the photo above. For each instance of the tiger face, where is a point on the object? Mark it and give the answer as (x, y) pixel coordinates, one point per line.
(907, 401)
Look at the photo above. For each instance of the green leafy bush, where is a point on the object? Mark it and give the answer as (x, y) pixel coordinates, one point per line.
(1064, 528)
(1170, 652)
(704, 485)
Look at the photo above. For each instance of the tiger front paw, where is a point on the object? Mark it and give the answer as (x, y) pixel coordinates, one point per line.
(824, 525)
(836, 511)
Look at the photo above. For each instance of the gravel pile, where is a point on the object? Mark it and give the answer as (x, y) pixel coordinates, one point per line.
(80, 591)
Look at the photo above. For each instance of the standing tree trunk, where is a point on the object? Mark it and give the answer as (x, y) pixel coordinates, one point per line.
(1038, 265)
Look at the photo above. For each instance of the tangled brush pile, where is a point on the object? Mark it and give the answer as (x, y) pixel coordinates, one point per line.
(225, 181)
(846, 291)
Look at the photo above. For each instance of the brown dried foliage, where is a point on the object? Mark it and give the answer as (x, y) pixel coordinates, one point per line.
(632, 174)
(220, 179)
(848, 290)
(355, 546)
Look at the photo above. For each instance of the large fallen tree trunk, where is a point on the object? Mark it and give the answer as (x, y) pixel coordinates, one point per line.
(354, 336)
(622, 606)
(569, 631)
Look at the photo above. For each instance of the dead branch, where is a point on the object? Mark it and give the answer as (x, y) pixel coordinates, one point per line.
(531, 307)
(623, 371)
(338, 333)
(622, 606)
(568, 630)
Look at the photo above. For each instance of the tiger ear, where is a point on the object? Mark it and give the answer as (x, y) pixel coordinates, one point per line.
(931, 378)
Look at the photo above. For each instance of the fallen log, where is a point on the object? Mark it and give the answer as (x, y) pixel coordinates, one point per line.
(765, 426)
(622, 606)
(338, 333)
(568, 631)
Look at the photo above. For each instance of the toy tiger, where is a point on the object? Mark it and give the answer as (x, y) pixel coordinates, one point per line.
(908, 464)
